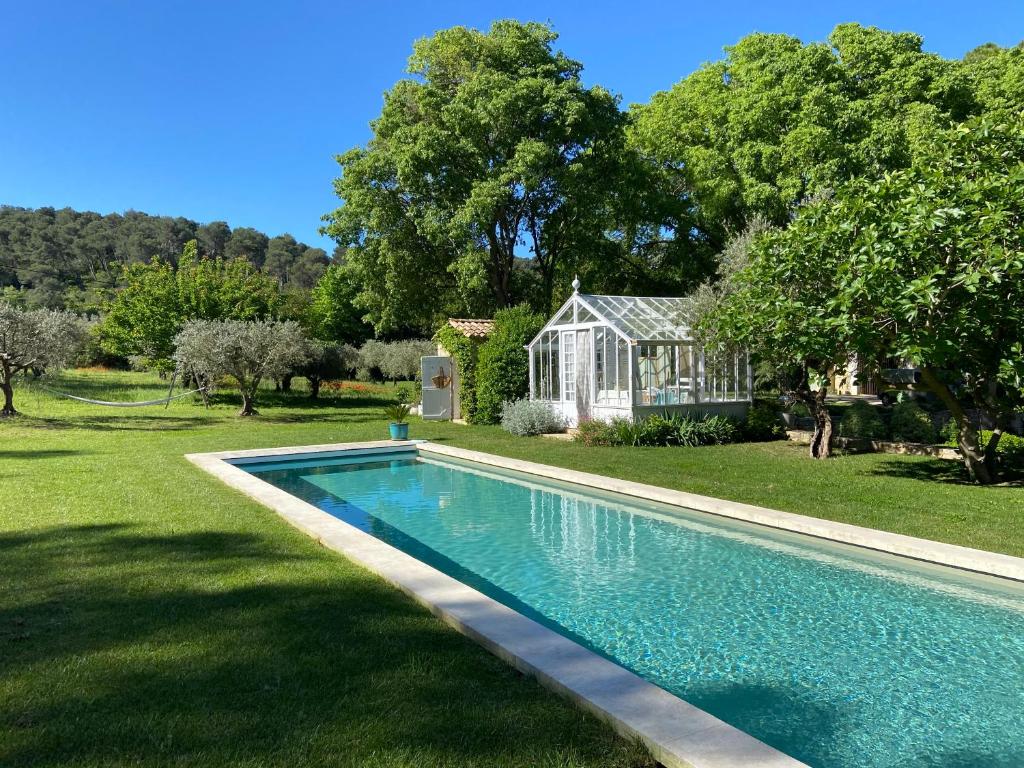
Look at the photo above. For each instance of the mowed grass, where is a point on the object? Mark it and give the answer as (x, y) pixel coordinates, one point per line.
(151, 616)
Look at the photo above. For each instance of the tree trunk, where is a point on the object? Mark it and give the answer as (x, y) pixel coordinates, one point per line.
(990, 450)
(8, 390)
(821, 442)
(314, 388)
(247, 406)
(967, 437)
(286, 382)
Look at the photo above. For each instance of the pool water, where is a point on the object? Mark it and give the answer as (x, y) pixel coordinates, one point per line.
(837, 656)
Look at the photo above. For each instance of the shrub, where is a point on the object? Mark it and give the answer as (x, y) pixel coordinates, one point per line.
(660, 431)
(763, 423)
(657, 430)
(503, 364)
(911, 424)
(529, 417)
(407, 393)
(800, 410)
(594, 432)
(862, 420)
(397, 413)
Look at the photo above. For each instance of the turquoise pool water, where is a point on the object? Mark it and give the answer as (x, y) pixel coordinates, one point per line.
(836, 656)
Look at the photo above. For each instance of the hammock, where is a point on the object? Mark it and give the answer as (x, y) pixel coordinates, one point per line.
(141, 404)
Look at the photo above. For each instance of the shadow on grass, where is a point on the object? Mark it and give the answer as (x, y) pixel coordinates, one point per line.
(219, 648)
(940, 471)
(53, 453)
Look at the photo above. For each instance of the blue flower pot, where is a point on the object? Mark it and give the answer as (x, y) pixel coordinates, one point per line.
(399, 431)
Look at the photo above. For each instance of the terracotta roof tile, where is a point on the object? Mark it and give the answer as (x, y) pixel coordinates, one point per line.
(473, 329)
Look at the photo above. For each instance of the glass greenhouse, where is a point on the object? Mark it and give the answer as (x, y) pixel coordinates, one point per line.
(605, 357)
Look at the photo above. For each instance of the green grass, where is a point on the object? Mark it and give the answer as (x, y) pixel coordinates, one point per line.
(151, 616)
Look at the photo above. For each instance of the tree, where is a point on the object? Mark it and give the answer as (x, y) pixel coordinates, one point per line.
(36, 339)
(493, 147)
(777, 121)
(774, 298)
(213, 238)
(925, 264)
(249, 244)
(304, 273)
(246, 351)
(326, 362)
(503, 364)
(144, 317)
(283, 252)
(332, 314)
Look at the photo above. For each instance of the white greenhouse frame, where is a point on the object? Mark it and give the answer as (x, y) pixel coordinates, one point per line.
(607, 357)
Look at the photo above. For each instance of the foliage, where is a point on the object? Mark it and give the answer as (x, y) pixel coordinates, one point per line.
(37, 340)
(397, 413)
(464, 351)
(332, 314)
(76, 259)
(777, 121)
(157, 299)
(245, 351)
(763, 422)
(530, 417)
(861, 419)
(655, 430)
(492, 143)
(406, 393)
(910, 423)
(925, 265)
(325, 362)
(293, 263)
(503, 364)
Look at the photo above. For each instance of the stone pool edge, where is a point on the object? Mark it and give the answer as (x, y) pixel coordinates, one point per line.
(677, 734)
(939, 553)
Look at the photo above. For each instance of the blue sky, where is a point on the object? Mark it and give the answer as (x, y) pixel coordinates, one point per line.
(235, 110)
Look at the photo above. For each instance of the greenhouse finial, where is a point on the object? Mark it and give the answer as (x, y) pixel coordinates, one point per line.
(576, 284)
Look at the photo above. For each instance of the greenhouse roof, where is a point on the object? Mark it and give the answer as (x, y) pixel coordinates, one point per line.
(642, 318)
(634, 318)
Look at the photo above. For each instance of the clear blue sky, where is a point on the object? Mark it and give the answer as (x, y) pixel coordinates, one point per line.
(235, 110)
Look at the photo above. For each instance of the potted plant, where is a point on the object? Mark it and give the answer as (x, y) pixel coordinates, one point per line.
(397, 415)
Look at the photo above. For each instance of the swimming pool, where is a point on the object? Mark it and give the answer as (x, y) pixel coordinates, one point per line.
(837, 656)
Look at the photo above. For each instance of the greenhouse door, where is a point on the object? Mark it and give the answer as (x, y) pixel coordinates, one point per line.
(583, 375)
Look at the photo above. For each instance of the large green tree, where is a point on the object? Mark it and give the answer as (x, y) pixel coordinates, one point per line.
(158, 298)
(777, 121)
(492, 149)
(924, 264)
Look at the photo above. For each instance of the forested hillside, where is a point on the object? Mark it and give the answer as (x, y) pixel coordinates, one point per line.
(74, 259)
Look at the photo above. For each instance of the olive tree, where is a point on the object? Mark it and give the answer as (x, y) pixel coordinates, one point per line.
(325, 362)
(33, 340)
(246, 351)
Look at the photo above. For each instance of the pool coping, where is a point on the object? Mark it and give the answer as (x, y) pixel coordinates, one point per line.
(677, 734)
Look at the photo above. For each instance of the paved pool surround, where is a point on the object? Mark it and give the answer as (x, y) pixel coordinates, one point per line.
(676, 733)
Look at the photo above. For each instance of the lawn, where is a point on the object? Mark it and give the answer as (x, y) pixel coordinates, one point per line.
(151, 616)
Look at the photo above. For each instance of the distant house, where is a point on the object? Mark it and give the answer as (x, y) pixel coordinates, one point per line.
(605, 357)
